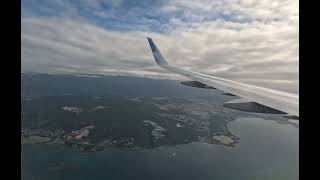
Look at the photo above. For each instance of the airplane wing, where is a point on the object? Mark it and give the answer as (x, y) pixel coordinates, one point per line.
(253, 98)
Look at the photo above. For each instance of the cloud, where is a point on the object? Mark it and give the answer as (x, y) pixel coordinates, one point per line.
(255, 42)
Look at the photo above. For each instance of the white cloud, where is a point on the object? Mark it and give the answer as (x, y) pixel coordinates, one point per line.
(263, 50)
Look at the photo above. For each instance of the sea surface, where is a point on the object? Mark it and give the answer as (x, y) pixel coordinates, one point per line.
(267, 150)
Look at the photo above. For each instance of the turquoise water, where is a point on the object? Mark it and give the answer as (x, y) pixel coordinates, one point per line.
(267, 150)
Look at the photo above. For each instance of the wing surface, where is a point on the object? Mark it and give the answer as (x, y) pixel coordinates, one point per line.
(282, 101)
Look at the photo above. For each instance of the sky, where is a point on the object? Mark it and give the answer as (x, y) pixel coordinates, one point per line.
(255, 42)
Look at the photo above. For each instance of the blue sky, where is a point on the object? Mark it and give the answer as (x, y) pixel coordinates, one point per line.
(124, 16)
(250, 41)
(128, 15)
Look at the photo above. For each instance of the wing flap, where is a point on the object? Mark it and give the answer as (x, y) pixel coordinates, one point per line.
(249, 106)
(196, 84)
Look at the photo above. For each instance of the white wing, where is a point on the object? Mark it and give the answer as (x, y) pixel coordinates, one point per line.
(274, 99)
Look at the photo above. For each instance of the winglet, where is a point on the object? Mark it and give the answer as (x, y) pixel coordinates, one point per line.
(156, 53)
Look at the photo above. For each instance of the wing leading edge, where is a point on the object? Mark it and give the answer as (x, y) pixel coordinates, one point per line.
(279, 100)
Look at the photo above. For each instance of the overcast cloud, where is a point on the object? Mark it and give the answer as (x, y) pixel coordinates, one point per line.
(255, 42)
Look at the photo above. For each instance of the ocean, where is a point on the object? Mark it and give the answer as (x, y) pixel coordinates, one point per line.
(267, 150)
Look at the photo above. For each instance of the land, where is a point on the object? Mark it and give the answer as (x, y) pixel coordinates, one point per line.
(33, 139)
(174, 121)
(95, 113)
(224, 139)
